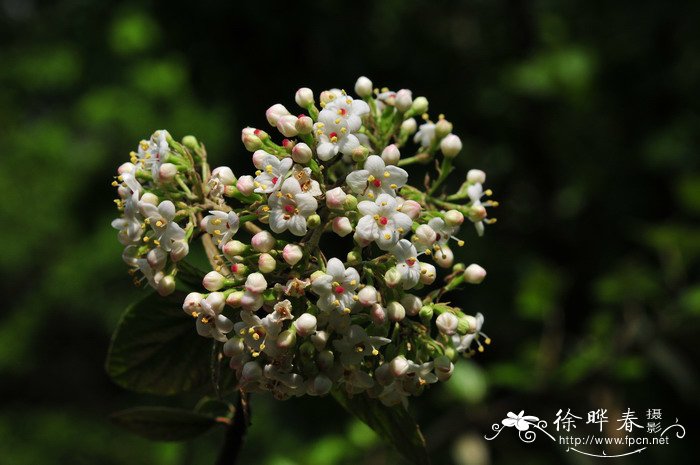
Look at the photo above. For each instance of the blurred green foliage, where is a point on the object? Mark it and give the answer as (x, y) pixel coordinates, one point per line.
(583, 114)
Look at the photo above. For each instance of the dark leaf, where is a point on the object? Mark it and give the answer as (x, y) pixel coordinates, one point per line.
(156, 349)
(164, 423)
(393, 424)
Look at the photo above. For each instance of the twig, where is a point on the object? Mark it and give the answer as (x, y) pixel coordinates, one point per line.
(233, 441)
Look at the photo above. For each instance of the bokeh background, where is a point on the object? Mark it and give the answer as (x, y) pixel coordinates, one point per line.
(583, 113)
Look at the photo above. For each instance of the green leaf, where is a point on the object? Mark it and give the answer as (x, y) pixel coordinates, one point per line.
(156, 349)
(393, 424)
(164, 423)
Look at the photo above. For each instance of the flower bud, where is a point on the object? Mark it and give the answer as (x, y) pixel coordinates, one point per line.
(399, 366)
(166, 285)
(378, 314)
(392, 277)
(190, 142)
(266, 263)
(192, 302)
(476, 177)
(167, 172)
(234, 299)
(287, 125)
(454, 218)
(125, 168)
(409, 126)
(395, 311)
(233, 248)
(324, 360)
(305, 324)
(315, 275)
(225, 175)
(263, 241)
(335, 198)
(301, 153)
(213, 281)
(319, 339)
(404, 100)
(425, 236)
(151, 198)
(304, 97)
(156, 258)
(321, 385)
(239, 269)
(443, 367)
(391, 154)
(360, 153)
(216, 301)
(234, 347)
(275, 112)
(447, 323)
(245, 185)
(442, 128)
(341, 226)
(474, 274)
(451, 145)
(292, 253)
(412, 304)
(444, 257)
(350, 203)
(427, 273)
(179, 250)
(251, 141)
(251, 372)
(367, 296)
(286, 339)
(256, 283)
(411, 208)
(354, 257)
(426, 313)
(363, 87)
(420, 105)
(383, 374)
(313, 221)
(304, 124)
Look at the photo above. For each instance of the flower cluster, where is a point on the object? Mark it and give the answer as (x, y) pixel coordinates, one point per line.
(324, 260)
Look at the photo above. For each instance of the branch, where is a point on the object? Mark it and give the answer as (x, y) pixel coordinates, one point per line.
(233, 441)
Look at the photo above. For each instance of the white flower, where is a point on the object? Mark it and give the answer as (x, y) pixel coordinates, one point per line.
(381, 222)
(306, 182)
(222, 226)
(478, 208)
(129, 225)
(336, 288)
(260, 334)
(376, 178)
(210, 322)
(152, 153)
(252, 298)
(271, 174)
(407, 263)
(290, 207)
(363, 87)
(521, 421)
(343, 111)
(464, 343)
(425, 135)
(356, 345)
(334, 138)
(161, 220)
(443, 232)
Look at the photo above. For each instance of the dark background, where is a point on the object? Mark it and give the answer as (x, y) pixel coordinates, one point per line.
(582, 113)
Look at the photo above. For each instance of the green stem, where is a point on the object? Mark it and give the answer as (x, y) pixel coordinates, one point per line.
(445, 170)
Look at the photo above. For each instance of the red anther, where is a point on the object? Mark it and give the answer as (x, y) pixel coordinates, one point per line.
(377, 183)
(383, 220)
(339, 289)
(333, 134)
(274, 180)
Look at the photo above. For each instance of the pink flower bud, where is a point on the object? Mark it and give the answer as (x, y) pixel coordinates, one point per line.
(213, 281)
(263, 241)
(304, 97)
(412, 304)
(266, 263)
(225, 175)
(126, 168)
(444, 257)
(391, 155)
(474, 274)
(156, 258)
(454, 218)
(424, 237)
(234, 347)
(301, 153)
(258, 158)
(395, 311)
(233, 248)
(192, 303)
(256, 283)
(275, 112)
(450, 146)
(292, 253)
(216, 301)
(447, 323)
(287, 125)
(179, 250)
(404, 100)
(363, 87)
(335, 198)
(167, 172)
(367, 296)
(427, 273)
(246, 185)
(411, 208)
(304, 124)
(234, 299)
(378, 314)
(305, 324)
(341, 226)
(251, 141)
(476, 177)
